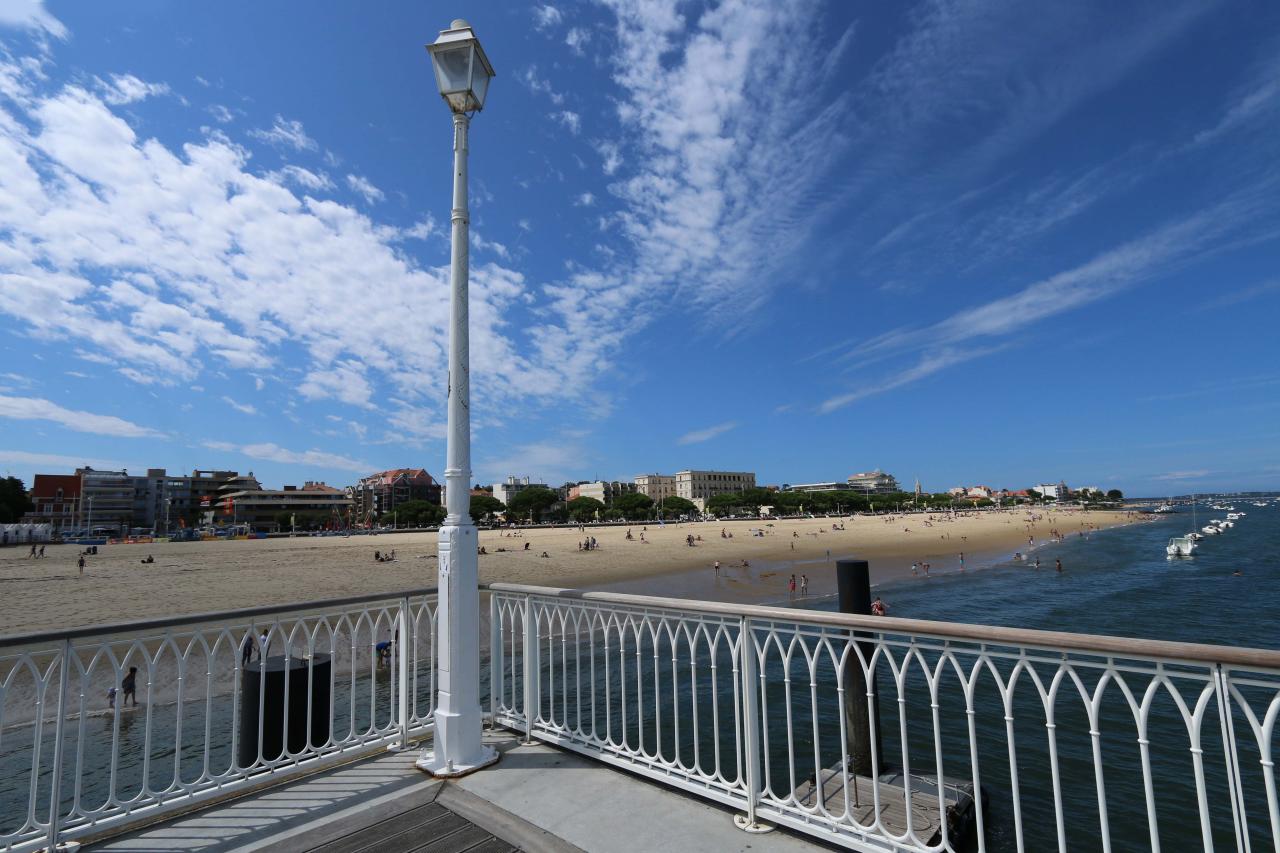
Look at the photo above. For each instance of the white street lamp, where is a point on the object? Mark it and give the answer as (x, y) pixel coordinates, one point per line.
(462, 74)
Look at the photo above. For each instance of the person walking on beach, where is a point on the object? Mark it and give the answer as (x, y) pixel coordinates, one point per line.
(1057, 564)
(41, 554)
(804, 584)
(129, 686)
(81, 564)
(717, 568)
(246, 653)
(962, 561)
(879, 608)
(791, 586)
(32, 555)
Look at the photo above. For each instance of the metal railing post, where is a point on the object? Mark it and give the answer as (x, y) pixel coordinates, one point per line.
(749, 684)
(403, 643)
(495, 658)
(55, 793)
(1234, 787)
(530, 669)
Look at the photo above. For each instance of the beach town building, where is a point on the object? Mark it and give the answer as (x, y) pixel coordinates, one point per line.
(261, 508)
(872, 483)
(55, 500)
(656, 486)
(604, 491)
(979, 492)
(514, 486)
(1057, 490)
(815, 487)
(379, 494)
(107, 500)
(698, 486)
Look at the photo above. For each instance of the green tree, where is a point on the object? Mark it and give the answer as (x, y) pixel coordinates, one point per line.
(724, 504)
(1115, 495)
(633, 505)
(419, 514)
(14, 501)
(675, 506)
(532, 502)
(486, 505)
(284, 520)
(585, 509)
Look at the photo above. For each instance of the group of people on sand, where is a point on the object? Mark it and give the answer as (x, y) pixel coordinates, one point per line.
(588, 544)
(389, 557)
(36, 554)
(804, 585)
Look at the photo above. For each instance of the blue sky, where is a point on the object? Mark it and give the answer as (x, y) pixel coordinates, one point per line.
(973, 242)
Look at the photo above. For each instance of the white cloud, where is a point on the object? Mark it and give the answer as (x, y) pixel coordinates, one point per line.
(551, 462)
(220, 113)
(301, 177)
(31, 14)
(1183, 475)
(243, 408)
(36, 409)
(344, 381)
(286, 133)
(585, 199)
(546, 16)
(610, 155)
(275, 453)
(365, 187)
(577, 39)
(258, 384)
(420, 230)
(700, 435)
(126, 89)
(539, 85)
(569, 119)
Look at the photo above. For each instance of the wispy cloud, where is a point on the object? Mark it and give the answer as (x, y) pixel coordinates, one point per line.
(569, 119)
(53, 460)
(286, 133)
(32, 15)
(243, 408)
(365, 187)
(126, 89)
(546, 16)
(36, 409)
(1245, 294)
(700, 435)
(1183, 475)
(275, 453)
(929, 364)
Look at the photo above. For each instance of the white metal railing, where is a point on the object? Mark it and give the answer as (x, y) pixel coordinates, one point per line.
(75, 762)
(1058, 741)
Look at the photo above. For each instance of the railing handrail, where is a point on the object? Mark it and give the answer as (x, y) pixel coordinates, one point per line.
(237, 615)
(1049, 640)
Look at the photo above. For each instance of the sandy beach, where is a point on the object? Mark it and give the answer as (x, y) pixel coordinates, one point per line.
(195, 577)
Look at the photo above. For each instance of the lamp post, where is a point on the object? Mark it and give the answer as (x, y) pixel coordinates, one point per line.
(462, 74)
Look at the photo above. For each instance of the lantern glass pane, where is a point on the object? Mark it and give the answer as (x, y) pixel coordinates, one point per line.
(479, 84)
(452, 67)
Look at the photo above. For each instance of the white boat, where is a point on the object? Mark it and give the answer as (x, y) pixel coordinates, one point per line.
(1233, 516)
(1163, 509)
(1180, 546)
(1211, 530)
(1194, 536)
(1225, 524)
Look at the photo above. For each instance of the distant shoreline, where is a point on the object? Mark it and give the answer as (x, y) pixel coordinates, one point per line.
(196, 577)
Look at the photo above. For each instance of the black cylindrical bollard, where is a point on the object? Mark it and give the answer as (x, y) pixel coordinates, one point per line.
(853, 579)
(306, 678)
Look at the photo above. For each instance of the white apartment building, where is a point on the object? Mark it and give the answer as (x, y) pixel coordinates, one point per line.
(513, 486)
(697, 486)
(873, 483)
(1057, 490)
(656, 486)
(602, 490)
(815, 487)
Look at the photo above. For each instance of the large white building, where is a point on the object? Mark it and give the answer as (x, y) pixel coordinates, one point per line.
(816, 487)
(1058, 490)
(697, 486)
(512, 487)
(602, 490)
(656, 486)
(872, 483)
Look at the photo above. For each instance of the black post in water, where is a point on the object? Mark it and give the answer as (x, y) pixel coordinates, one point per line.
(854, 581)
(269, 689)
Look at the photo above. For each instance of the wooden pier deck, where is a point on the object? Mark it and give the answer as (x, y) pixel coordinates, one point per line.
(926, 816)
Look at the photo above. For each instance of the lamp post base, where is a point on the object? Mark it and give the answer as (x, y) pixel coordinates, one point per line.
(441, 769)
